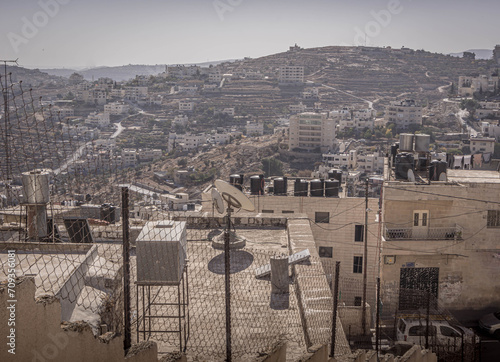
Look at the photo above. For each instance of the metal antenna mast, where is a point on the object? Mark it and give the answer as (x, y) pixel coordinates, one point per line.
(7, 122)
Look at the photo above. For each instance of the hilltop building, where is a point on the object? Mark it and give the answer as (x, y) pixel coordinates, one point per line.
(312, 132)
(404, 114)
(291, 74)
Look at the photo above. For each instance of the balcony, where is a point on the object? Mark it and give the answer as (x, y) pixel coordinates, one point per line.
(441, 233)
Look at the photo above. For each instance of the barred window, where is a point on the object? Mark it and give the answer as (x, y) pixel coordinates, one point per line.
(493, 219)
(323, 217)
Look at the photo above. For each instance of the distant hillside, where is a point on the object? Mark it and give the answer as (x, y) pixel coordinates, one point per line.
(485, 54)
(121, 73)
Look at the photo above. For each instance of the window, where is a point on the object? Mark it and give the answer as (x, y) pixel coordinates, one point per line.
(287, 212)
(357, 266)
(326, 252)
(357, 301)
(268, 211)
(493, 219)
(449, 332)
(359, 232)
(420, 330)
(322, 217)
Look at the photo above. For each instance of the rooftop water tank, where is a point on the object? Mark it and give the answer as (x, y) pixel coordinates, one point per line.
(335, 174)
(406, 142)
(300, 187)
(422, 142)
(332, 188)
(280, 186)
(317, 188)
(237, 181)
(404, 162)
(36, 187)
(257, 185)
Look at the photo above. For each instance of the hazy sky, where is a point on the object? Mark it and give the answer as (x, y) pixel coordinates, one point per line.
(70, 33)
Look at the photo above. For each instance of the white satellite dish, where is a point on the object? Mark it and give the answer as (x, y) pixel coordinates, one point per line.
(233, 196)
(217, 201)
(411, 175)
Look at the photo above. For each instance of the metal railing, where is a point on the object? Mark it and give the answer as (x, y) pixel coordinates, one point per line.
(440, 233)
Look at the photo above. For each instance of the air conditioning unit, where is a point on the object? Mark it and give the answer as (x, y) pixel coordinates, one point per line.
(161, 249)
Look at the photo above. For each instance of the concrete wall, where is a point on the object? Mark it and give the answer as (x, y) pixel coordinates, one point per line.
(338, 233)
(40, 336)
(468, 266)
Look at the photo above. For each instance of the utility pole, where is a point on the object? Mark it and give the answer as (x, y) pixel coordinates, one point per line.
(365, 261)
(8, 170)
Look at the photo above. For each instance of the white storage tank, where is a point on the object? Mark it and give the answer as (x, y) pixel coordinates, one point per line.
(36, 187)
(161, 249)
(422, 142)
(406, 142)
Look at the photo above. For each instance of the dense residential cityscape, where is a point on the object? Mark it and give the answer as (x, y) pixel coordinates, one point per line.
(334, 203)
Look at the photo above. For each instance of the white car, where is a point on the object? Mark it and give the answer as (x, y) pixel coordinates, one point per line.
(491, 323)
(441, 333)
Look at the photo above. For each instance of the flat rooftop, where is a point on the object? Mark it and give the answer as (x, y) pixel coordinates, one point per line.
(473, 176)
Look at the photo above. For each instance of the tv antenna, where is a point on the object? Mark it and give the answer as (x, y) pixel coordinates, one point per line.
(8, 170)
(234, 198)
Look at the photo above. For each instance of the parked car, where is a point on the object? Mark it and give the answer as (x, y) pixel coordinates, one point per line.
(491, 323)
(442, 332)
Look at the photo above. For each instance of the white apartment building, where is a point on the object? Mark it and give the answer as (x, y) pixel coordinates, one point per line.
(187, 89)
(186, 105)
(291, 74)
(311, 93)
(117, 93)
(116, 108)
(373, 162)
(297, 108)
(135, 93)
(148, 154)
(467, 86)
(341, 160)
(185, 142)
(311, 131)
(490, 130)
(404, 113)
(215, 77)
(129, 157)
(254, 128)
(482, 145)
(488, 109)
(228, 111)
(100, 120)
(221, 138)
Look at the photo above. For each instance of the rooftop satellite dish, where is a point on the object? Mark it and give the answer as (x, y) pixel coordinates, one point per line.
(443, 177)
(411, 176)
(233, 196)
(217, 201)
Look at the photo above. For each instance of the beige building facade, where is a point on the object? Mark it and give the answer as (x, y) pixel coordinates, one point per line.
(312, 131)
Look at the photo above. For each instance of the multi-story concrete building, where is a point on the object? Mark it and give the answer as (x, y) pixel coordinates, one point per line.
(254, 128)
(442, 238)
(186, 105)
(341, 160)
(312, 131)
(100, 120)
(467, 86)
(491, 130)
(404, 113)
(129, 157)
(116, 108)
(148, 154)
(297, 108)
(135, 93)
(291, 74)
(482, 145)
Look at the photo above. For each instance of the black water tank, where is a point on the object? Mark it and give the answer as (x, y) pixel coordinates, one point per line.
(335, 174)
(237, 181)
(317, 188)
(257, 185)
(441, 167)
(300, 187)
(108, 213)
(190, 207)
(404, 162)
(332, 188)
(432, 170)
(280, 186)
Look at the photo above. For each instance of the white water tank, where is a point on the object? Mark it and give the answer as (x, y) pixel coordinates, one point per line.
(36, 187)
(422, 142)
(161, 249)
